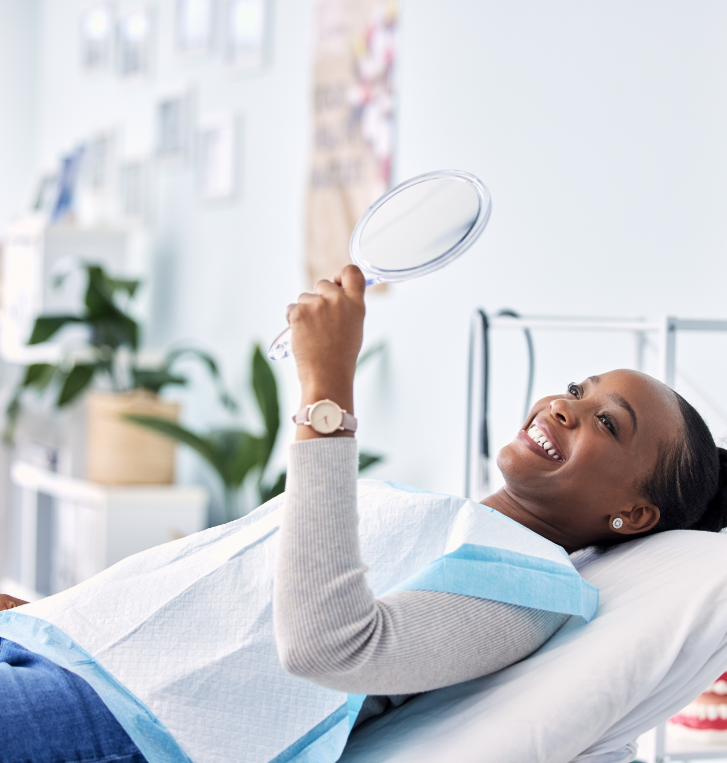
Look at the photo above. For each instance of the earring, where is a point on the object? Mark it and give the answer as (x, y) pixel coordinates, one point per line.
(617, 523)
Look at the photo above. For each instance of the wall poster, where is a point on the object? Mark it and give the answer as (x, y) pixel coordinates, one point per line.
(352, 123)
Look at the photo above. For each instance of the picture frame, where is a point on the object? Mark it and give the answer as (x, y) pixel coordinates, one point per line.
(96, 37)
(216, 156)
(195, 23)
(134, 189)
(134, 40)
(173, 122)
(246, 34)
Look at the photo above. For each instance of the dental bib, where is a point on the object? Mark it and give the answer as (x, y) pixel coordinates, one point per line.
(178, 641)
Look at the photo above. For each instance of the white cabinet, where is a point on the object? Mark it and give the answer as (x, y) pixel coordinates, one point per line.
(85, 528)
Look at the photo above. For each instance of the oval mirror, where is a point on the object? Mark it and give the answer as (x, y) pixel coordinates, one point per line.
(416, 228)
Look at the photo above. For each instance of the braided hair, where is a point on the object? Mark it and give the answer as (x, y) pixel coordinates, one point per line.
(689, 482)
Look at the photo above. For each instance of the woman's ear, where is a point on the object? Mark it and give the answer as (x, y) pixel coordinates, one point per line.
(639, 518)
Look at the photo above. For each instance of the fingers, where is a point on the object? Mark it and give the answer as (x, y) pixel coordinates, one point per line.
(326, 288)
(352, 280)
(304, 299)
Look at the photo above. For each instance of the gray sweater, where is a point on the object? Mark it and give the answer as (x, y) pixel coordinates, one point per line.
(330, 629)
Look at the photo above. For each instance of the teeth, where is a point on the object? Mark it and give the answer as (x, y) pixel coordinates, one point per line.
(536, 435)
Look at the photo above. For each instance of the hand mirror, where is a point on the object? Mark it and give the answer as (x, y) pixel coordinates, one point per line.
(418, 227)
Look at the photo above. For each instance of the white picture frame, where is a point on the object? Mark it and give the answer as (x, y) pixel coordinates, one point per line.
(195, 23)
(216, 156)
(134, 189)
(96, 31)
(246, 34)
(173, 119)
(134, 43)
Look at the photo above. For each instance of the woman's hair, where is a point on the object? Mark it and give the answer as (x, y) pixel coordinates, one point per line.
(689, 483)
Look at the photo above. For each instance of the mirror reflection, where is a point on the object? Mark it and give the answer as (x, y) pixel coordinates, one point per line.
(419, 224)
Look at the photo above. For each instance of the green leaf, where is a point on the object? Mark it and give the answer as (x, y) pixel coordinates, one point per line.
(266, 393)
(12, 413)
(114, 330)
(76, 381)
(38, 375)
(99, 297)
(213, 455)
(225, 398)
(110, 325)
(155, 379)
(127, 285)
(250, 455)
(47, 325)
(278, 487)
(366, 460)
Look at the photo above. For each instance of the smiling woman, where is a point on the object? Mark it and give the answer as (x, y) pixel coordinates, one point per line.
(617, 457)
(612, 459)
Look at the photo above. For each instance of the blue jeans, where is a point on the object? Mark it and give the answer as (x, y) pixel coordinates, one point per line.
(50, 715)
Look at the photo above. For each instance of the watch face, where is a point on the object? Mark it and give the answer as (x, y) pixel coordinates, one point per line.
(325, 417)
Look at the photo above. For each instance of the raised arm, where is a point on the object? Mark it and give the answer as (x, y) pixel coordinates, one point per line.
(329, 627)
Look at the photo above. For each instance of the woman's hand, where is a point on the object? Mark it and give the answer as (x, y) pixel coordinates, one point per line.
(327, 331)
(10, 602)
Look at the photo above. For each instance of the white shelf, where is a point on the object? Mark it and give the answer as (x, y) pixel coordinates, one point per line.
(95, 526)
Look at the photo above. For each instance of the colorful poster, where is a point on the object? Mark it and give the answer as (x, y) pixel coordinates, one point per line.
(353, 124)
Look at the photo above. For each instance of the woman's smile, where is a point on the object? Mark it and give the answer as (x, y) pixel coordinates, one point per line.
(531, 444)
(541, 433)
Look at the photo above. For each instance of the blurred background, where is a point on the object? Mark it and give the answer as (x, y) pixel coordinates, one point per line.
(211, 158)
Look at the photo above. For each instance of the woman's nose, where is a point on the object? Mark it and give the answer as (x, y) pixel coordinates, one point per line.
(562, 409)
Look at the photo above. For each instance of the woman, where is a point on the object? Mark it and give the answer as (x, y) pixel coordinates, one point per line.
(614, 458)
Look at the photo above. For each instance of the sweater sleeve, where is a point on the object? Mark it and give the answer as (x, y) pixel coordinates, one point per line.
(330, 629)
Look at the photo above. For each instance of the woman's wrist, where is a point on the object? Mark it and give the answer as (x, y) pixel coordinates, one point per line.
(341, 395)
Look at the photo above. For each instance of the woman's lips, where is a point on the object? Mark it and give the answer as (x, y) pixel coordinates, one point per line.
(547, 431)
(524, 438)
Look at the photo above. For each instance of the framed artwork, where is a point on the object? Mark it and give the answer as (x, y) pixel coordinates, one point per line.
(98, 162)
(216, 156)
(195, 23)
(96, 32)
(173, 120)
(134, 43)
(134, 189)
(246, 33)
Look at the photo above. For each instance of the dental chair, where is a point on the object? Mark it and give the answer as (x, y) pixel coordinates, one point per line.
(658, 640)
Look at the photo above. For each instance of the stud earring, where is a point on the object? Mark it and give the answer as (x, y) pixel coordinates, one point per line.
(617, 523)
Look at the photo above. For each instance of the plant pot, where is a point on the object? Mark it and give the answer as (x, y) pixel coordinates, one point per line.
(122, 453)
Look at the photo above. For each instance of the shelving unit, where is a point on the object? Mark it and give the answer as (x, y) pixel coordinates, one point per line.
(33, 252)
(93, 526)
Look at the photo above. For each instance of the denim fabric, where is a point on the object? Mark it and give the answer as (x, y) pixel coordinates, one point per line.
(50, 715)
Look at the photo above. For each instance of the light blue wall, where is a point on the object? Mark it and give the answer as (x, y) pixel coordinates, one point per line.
(600, 129)
(18, 74)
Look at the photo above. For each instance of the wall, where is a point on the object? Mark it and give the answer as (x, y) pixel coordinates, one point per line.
(598, 127)
(18, 88)
(18, 74)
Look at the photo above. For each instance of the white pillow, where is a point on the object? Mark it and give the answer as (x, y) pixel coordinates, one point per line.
(658, 640)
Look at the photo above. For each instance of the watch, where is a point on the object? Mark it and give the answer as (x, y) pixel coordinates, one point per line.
(326, 417)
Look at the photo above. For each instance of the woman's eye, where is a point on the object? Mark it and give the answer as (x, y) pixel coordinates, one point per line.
(605, 419)
(573, 390)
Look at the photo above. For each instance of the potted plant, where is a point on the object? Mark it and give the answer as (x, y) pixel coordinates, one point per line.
(117, 452)
(238, 455)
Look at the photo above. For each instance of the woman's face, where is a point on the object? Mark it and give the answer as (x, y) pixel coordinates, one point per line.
(605, 435)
